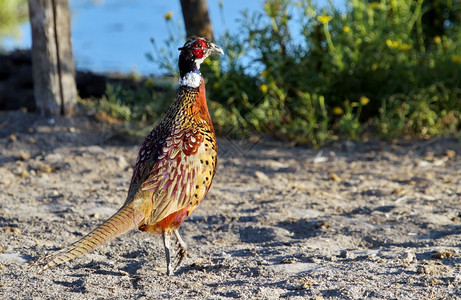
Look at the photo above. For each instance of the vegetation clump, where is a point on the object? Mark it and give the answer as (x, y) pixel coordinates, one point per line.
(390, 69)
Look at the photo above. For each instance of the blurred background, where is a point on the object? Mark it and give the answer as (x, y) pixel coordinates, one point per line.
(114, 36)
(308, 72)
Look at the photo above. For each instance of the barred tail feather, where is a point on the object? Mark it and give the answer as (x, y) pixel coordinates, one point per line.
(124, 220)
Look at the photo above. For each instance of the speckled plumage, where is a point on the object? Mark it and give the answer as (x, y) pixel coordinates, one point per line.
(174, 169)
(178, 173)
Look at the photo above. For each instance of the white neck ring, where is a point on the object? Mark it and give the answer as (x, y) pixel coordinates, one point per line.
(191, 79)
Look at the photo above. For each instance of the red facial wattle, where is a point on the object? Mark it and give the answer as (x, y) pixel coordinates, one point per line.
(197, 50)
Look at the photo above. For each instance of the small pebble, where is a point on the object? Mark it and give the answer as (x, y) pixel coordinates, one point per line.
(399, 191)
(307, 284)
(287, 261)
(444, 253)
(425, 270)
(121, 162)
(347, 254)
(450, 154)
(261, 176)
(14, 230)
(408, 257)
(46, 168)
(24, 173)
(24, 156)
(334, 177)
(435, 281)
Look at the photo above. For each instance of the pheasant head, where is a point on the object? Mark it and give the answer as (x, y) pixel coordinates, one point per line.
(193, 53)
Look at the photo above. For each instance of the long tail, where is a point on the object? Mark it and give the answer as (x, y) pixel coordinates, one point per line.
(124, 220)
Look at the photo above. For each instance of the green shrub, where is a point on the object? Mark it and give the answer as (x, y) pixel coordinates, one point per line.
(131, 108)
(310, 75)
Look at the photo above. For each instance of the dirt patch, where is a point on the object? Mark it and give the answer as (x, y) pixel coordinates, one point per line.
(350, 221)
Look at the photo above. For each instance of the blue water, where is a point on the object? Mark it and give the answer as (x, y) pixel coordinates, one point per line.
(114, 35)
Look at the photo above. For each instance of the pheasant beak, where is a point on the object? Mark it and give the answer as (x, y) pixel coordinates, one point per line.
(215, 49)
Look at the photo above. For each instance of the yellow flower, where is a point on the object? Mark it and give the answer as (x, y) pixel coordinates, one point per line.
(456, 59)
(337, 110)
(392, 44)
(324, 19)
(263, 88)
(405, 47)
(437, 39)
(346, 29)
(168, 15)
(364, 100)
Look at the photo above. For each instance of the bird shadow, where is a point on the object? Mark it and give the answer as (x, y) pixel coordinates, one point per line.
(254, 234)
(76, 286)
(133, 266)
(301, 228)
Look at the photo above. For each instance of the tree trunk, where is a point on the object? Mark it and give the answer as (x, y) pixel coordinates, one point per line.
(53, 68)
(196, 18)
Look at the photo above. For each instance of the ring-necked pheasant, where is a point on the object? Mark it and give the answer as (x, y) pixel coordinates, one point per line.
(174, 169)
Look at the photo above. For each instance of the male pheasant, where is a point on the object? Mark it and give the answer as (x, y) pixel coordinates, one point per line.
(174, 169)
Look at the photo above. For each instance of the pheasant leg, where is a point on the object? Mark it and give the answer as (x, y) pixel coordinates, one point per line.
(166, 243)
(182, 248)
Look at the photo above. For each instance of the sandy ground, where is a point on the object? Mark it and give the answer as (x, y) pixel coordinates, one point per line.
(348, 221)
